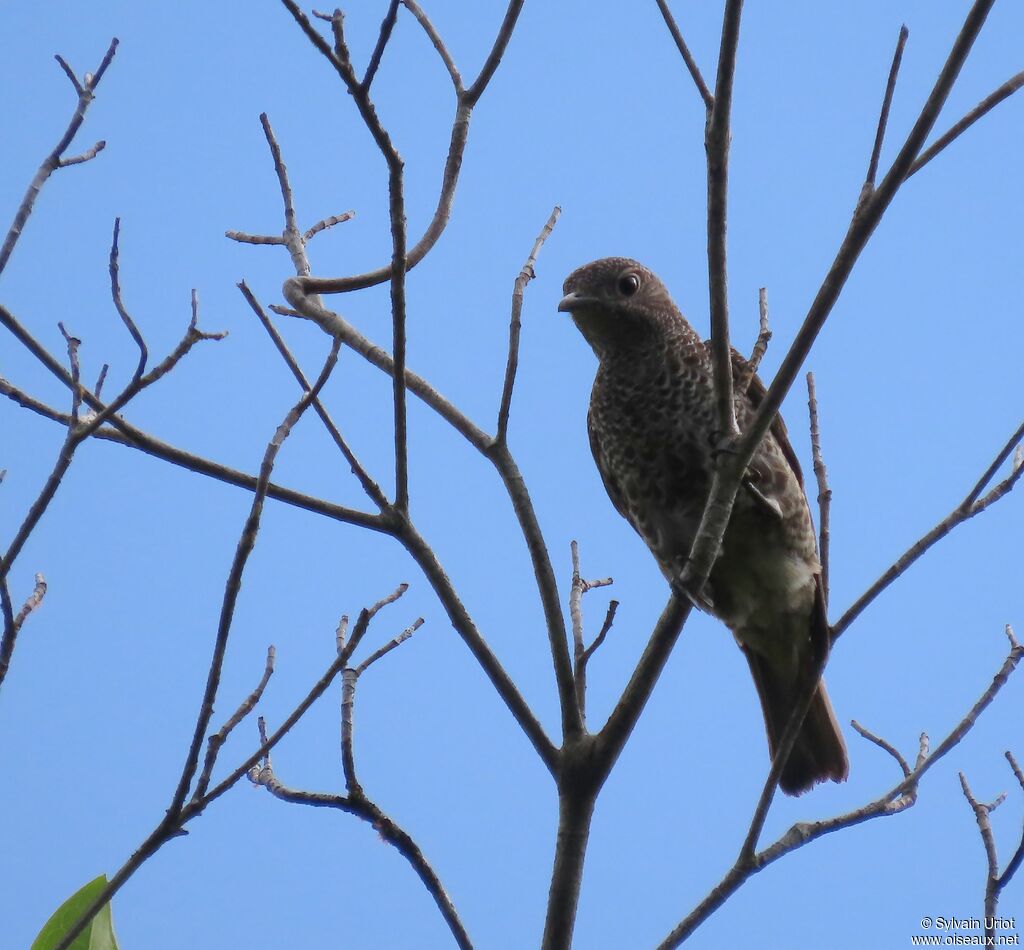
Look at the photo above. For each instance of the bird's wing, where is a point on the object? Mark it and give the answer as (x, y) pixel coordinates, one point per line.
(756, 393)
(610, 485)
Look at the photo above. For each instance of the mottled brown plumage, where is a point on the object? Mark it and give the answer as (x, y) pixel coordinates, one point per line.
(651, 424)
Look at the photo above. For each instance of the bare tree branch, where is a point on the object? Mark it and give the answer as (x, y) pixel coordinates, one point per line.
(53, 161)
(243, 237)
(371, 488)
(717, 141)
(981, 813)
(886, 746)
(525, 276)
(438, 44)
(296, 289)
(375, 355)
(77, 432)
(502, 459)
(424, 556)
(863, 224)
(732, 463)
(382, 41)
(177, 813)
(133, 437)
(246, 544)
(115, 292)
(326, 223)
(1007, 450)
(341, 61)
(897, 799)
(764, 335)
(684, 51)
(215, 742)
(12, 623)
(388, 829)
(824, 492)
(813, 663)
(70, 73)
(986, 105)
(1018, 856)
(971, 505)
(581, 652)
(356, 802)
(87, 156)
(883, 116)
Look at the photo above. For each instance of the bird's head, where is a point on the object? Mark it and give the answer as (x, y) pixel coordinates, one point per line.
(619, 306)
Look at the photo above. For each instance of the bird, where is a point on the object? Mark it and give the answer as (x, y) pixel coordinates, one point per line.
(652, 427)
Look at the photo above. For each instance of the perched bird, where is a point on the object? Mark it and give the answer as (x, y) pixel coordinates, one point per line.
(651, 422)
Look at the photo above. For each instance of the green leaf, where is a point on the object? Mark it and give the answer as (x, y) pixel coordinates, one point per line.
(98, 935)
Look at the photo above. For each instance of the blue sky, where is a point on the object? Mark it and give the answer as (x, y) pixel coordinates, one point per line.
(919, 381)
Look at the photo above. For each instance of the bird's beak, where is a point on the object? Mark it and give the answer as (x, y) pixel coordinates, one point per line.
(573, 301)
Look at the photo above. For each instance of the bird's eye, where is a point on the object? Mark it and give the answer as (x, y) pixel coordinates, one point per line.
(629, 284)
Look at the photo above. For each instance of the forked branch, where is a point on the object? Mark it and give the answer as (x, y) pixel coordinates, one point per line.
(901, 796)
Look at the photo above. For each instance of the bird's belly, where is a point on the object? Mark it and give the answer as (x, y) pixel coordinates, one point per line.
(758, 579)
(750, 592)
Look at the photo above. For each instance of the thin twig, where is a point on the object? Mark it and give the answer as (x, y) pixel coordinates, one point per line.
(98, 388)
(10, 631)
(975, 493)
(717, 141)
(326, 223)
(243, 237)
(390, 645)
(388, 829)
(73, 343)
(377, 356)
(515, 324)
(981, 813)
(291, 235)
(581, 652)
(883, 116)
(609, 619)
(382, 41)
(87, 156)
(12, 623)
(438, 44)
(764, 335)
(986, 105)
(217, 740)
(115, 292)
(1018, 856)
(684, 51)
(349, 679)
(70, 73)
(882, 744)
(824, 492)
(576, 623)
(370, 486)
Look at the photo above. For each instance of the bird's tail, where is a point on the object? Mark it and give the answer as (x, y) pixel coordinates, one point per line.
(819, 752)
